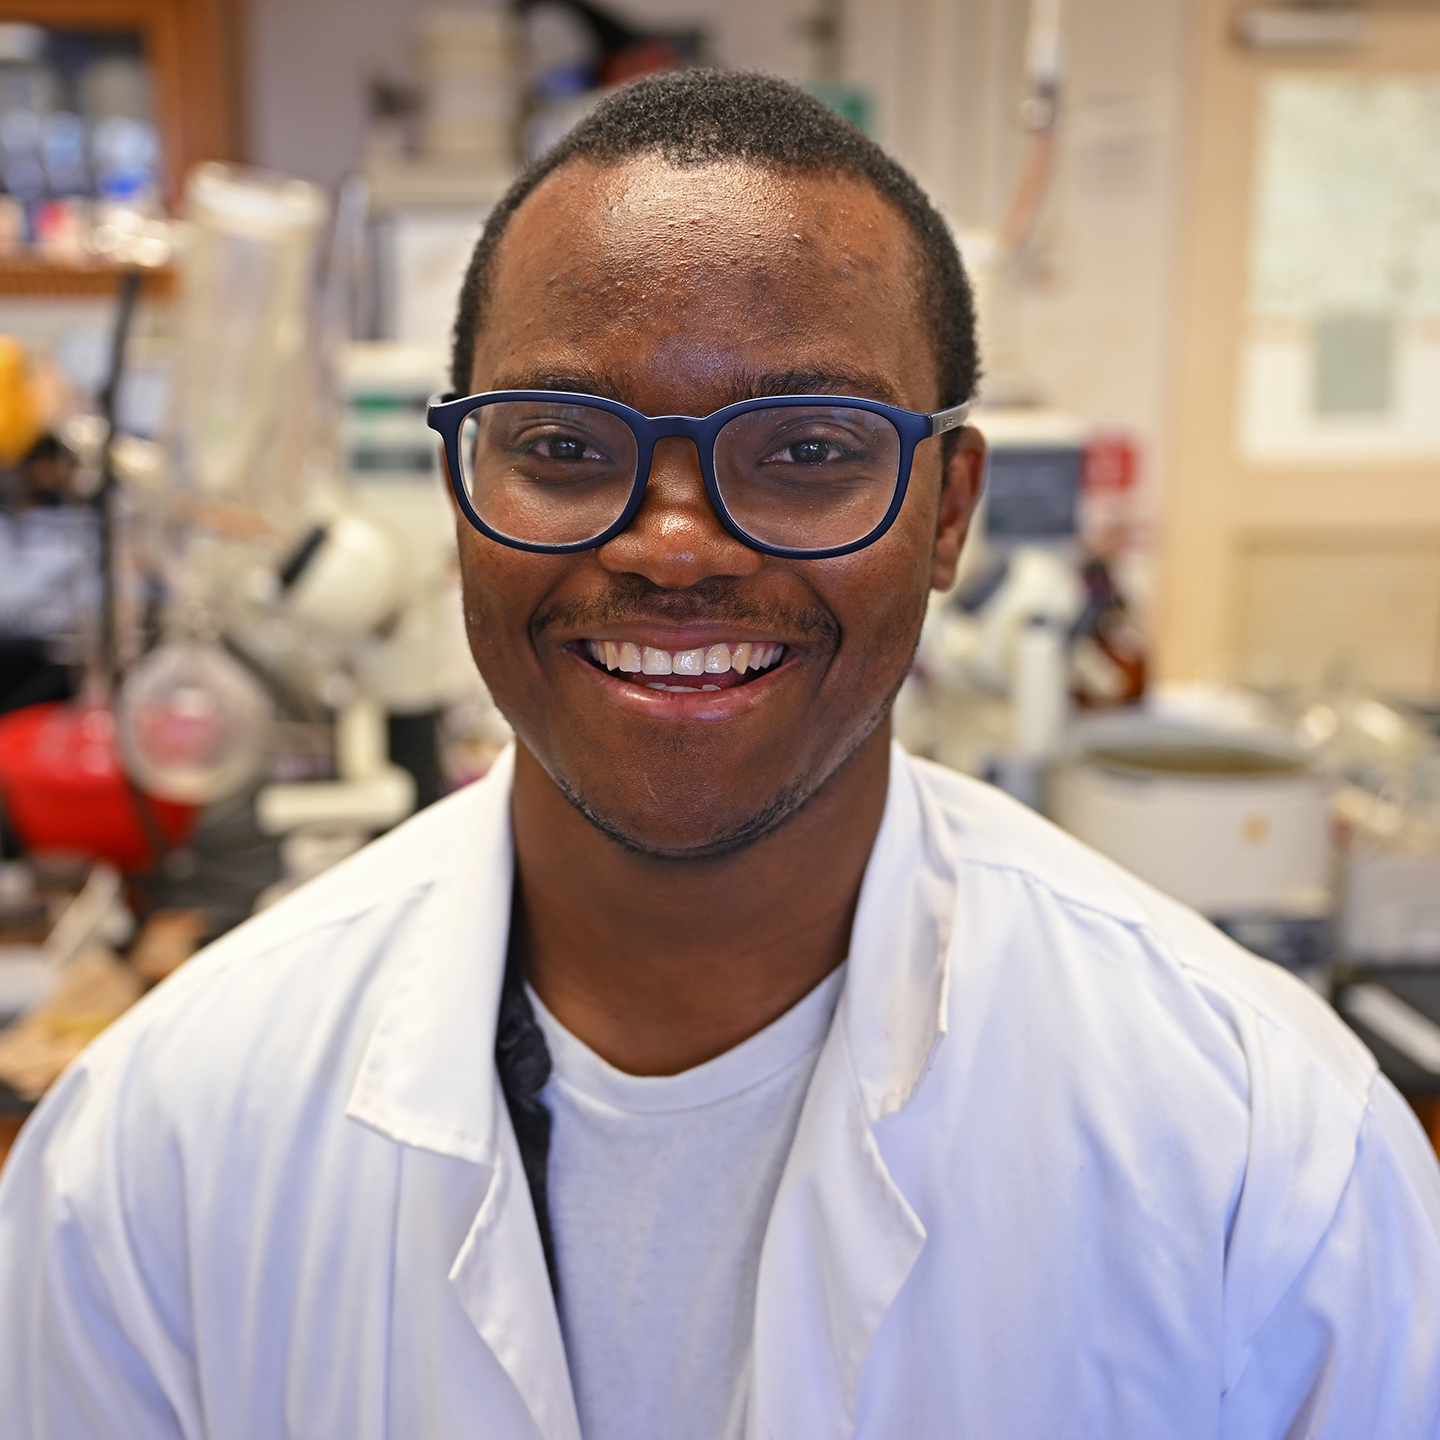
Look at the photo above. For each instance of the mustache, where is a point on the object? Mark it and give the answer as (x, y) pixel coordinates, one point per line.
(632, 599)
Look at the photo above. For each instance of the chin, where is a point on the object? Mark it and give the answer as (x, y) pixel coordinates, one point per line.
(695, 828)
(695, 824)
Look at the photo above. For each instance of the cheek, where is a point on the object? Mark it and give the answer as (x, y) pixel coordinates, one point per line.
(498, 599)
(884, 596)
(879, 603)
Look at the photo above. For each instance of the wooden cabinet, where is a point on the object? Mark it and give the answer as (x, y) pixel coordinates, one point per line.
(194, 47)
(193, 50)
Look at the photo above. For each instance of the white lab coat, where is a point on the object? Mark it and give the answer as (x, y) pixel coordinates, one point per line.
(1071, 1165)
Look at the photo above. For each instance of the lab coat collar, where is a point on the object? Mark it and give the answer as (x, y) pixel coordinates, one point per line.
(894, 1005)
(842, 1237)
(427, 1077)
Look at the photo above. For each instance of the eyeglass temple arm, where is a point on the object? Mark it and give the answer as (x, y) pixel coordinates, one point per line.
(951, 419)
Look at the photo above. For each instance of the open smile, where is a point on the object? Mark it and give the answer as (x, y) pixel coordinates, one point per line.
(715, 667)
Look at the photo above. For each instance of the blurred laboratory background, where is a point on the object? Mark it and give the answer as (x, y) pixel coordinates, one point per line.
(1198, 619)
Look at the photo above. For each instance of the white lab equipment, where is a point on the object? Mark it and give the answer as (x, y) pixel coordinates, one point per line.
(1233, 825)
(1006, 632)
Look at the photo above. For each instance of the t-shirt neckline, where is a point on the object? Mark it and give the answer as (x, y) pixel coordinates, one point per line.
(793, 1037)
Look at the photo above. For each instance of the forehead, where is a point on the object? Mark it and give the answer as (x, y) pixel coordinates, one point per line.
(645, 269)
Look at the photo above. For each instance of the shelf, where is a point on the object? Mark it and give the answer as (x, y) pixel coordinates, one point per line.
(31, 276)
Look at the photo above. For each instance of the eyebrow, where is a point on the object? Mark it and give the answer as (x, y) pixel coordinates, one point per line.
(577, 382)
(822, 382)
(614, 386)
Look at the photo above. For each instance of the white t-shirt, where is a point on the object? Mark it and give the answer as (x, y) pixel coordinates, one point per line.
(659, 1191)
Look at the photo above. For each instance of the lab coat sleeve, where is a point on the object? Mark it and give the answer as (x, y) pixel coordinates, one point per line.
(1353, 1347)
(86, 1349)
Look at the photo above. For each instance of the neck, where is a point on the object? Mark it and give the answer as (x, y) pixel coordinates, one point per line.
(661, 964)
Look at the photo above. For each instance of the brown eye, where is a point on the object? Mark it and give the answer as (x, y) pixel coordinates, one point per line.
(809, 452)
(563, 447)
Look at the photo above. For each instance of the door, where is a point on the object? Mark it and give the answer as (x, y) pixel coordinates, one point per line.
(1301, 513)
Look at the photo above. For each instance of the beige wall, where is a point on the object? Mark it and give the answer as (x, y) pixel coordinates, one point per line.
(307, 67)
(309, 62)
(1095, 311)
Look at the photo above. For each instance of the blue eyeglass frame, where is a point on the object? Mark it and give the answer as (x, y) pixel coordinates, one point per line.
(445, 415)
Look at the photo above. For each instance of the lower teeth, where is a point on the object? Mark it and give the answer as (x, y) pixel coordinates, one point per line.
(678, 689)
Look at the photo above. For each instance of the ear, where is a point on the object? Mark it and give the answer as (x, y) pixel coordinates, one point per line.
(960, 493)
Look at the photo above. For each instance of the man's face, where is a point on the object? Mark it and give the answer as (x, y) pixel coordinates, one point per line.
(678, 291)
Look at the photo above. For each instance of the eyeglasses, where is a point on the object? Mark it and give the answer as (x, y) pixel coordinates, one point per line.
(800, 476)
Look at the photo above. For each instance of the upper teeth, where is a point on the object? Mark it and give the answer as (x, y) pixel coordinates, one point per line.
(707, 660)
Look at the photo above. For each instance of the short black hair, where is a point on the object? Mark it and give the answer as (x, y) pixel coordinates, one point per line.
(701, 116)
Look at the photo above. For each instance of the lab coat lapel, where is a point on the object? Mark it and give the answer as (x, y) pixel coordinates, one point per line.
(500, 1278)
(428, 1080)
(842, 1237)
(427, 1077)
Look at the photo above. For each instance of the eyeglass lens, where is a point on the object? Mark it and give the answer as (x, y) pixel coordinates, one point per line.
(545, 473)
(797, 477)
(804, 477)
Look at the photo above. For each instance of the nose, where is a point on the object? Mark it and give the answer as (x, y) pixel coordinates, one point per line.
(676, 539)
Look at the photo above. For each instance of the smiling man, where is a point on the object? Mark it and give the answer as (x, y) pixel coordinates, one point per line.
(713, 1069)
